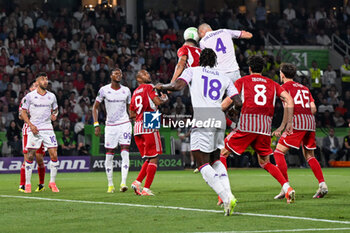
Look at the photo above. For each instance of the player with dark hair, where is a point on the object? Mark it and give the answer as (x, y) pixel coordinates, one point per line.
(304, 126)
(188, 54)
(258, 94)
(146, 99)
(42, 106)
(117, 99)
(207, 89)
(38, 155)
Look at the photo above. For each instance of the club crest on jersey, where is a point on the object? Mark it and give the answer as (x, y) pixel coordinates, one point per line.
(151, 120)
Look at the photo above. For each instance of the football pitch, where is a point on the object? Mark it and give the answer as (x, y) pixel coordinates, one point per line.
(183, 203)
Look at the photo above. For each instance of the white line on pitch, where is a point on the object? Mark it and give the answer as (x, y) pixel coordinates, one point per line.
(284, 230)
(176, 208)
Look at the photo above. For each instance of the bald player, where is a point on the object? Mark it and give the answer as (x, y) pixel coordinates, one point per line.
(145, 99)
(221, 42)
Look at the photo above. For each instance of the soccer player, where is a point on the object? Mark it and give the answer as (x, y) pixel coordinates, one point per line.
(118, 126)
(146, 99)
(207, 89)
(304, 127)
(42, 106)
(258, 94)
(221, 42)
(188, 54)
(39, 153)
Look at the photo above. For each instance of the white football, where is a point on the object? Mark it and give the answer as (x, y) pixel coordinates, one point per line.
(191, 33)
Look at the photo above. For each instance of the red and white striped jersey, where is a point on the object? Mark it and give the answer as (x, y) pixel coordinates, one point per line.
(258, 95)
(192, 54)
(141, 101)
(303, 119)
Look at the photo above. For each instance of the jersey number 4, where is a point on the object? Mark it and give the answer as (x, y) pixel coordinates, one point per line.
(220, 46)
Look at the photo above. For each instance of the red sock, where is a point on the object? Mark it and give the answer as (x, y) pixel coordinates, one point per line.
(151, 171)
(275, 172)
(143, 172)
(41, 173)
(316, 168)
(281, 162)
(223, 160)
(23, 175)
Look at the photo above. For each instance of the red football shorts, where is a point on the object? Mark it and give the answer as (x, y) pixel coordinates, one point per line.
(238, 142)
(149, 144)
(299, 137)
(41, 150)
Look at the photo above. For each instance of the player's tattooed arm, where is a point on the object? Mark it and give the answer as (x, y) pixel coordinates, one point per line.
(26, 119)
(289, 105)
(178, 85)
(95, 117)
(179, 68)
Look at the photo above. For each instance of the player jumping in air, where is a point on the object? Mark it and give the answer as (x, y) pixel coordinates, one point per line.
(304, 126)
(42, 106)
(207, 89)
(258, 95)
(39, 153)
(146, 99)
(118, 126)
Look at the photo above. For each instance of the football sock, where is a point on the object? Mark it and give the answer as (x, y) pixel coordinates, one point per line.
(53, 170)
(285, 187)
(212, 179)
(143, 172)
(281, 162)
(223, 160)
(316, 168)
(109, 168)
(223, 177)
(125, 165)
(28, 170)
(151, 171)
(23, 175)
(41, 173)
(275, 172)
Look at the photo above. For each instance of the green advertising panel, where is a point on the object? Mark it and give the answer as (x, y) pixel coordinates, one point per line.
(302, 56)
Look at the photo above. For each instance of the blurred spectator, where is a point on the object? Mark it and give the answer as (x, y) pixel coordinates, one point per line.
(320, 14)
(329, 76)
(13, 134)
(338, 119)
(330, 145)
(315, 75)
(346, 148)
(345, 73)
(260, 15)
(67, 143)
(289, 12)
(323, 39)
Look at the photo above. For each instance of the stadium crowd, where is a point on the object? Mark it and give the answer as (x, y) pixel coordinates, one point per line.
(78, 49)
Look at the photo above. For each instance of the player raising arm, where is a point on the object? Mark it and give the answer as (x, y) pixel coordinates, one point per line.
(258, 94)
(207, 89)
(118, 126)
(43, 109)
(188, 54)
(221, 42)
(304, 126)
(146, 99)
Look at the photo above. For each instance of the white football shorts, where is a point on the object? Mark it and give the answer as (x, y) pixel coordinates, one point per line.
(117, 135)
(47, 137)
(207, 139)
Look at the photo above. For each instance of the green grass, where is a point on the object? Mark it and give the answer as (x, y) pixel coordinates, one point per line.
(254, 188)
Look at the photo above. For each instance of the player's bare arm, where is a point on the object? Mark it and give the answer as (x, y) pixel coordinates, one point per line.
(54, 114)
(32, 127)
(313, 108)
(175, 86)
(289, 104)
(179, 68)
(160, 100)
(95, 117)
(231, 101)
(278, 131)
(246, 35)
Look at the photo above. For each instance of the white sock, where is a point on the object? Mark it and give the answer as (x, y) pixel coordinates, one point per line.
(321, 184)
(53, 170)
(285, 187)
(109, 168)
(125, 165)
(28, 171)
(223, 177)
(212, 179)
